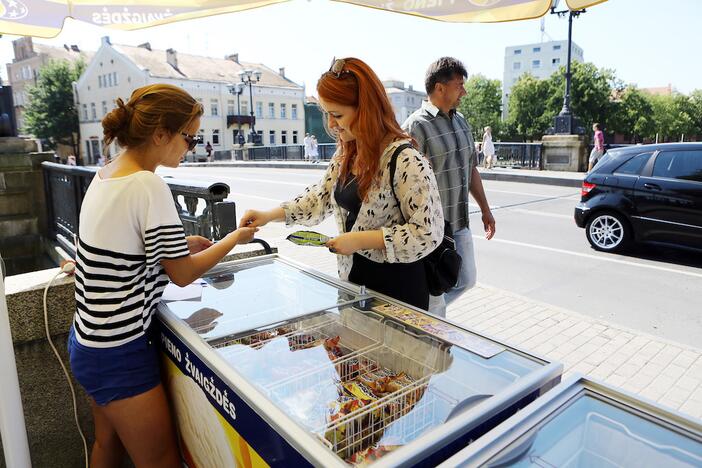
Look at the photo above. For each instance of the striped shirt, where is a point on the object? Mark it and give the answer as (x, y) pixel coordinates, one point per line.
(127, 226)
(446, 140)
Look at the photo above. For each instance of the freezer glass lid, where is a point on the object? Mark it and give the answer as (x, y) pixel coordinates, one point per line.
(590, 432)
(250, 295)
(365, 383)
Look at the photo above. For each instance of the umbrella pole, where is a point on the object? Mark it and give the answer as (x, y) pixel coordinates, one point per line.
(12, 426)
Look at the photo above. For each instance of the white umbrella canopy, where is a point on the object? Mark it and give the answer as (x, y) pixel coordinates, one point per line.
(44, 18)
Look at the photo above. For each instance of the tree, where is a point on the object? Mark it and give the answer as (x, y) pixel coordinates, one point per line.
(528, 111)
(674, 117)
(633, 115)
(51, 113)
(482, 104)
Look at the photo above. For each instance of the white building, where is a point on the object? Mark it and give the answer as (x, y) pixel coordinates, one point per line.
(404, 100)
(541, 60)
(116, 70)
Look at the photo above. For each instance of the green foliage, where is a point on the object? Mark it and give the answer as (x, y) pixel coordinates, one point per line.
(633, 116)
(529, 114)
(482, 105)
(51, 113)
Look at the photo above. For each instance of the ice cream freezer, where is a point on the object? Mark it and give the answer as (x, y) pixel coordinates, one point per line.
(268, 363)
(584, 423)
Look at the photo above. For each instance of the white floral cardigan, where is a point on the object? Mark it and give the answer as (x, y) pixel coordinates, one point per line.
(407, 238)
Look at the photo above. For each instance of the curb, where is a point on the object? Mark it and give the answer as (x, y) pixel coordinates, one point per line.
(524, 177)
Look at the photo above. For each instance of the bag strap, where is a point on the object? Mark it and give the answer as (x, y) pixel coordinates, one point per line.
(393, 166)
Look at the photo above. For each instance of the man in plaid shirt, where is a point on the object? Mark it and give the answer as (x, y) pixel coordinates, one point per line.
(445, 138)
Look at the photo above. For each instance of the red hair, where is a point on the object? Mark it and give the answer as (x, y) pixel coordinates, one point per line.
(358, 86)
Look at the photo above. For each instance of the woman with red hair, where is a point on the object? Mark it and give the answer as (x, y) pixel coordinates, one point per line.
(380, 242)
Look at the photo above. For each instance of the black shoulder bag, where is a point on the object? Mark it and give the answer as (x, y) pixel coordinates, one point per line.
(443, 264)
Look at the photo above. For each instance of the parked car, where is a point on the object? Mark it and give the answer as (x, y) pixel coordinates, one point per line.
(644, 193)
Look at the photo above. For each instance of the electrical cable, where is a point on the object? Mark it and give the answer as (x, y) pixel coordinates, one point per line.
(67, 268)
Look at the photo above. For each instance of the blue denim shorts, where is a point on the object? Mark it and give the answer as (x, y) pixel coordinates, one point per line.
(109, 374)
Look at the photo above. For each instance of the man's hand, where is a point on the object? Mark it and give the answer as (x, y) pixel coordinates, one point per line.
(344, 244)
(197, 243)
(488, 224)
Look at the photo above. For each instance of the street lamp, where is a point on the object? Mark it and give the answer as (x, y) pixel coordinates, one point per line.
(237, 89)
(566, 122)
(247, 77)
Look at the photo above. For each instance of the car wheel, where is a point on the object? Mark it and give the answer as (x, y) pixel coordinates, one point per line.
(608, 232)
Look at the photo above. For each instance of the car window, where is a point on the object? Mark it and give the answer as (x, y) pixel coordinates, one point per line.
(685, 165)
(634, 165)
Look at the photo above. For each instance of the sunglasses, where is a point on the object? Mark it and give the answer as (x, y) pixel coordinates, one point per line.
(337, 68)
(191, 140)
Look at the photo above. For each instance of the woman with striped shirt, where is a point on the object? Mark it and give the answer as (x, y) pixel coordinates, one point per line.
(130, 244)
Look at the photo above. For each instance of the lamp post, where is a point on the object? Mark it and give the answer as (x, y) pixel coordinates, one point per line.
(566, 122)
(237, 89)
(247, 77)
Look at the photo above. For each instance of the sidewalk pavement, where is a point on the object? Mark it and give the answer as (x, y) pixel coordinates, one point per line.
(560, 178)
(654, 368)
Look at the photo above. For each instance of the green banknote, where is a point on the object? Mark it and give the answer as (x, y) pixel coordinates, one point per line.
(312, 238)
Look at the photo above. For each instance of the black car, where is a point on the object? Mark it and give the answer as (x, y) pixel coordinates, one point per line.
(644, 193)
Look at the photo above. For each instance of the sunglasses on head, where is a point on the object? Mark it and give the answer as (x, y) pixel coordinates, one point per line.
(191, 140)
(337, 68)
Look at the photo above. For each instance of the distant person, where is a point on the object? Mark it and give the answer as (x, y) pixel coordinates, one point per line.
(444, 137)
(314, 149)
(307, 143)
(598, 149)
(208, 148)
(488, 148)
(71, 160)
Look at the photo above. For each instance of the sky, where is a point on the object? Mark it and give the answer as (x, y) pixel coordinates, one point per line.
(649, 43)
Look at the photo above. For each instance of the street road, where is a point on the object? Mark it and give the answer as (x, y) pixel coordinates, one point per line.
(538, 252)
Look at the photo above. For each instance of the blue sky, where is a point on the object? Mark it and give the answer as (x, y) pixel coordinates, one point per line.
(647, 42)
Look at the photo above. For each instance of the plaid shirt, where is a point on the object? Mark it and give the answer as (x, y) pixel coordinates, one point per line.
(447, 142)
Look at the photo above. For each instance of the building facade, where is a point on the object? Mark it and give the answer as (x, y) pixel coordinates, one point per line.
(29, 59)
(116, 70)
(540, 60)
(404, 100)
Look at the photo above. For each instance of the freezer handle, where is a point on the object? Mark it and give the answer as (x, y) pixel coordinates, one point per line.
(515, 453)
(266, 245)
(466, 403)
(426, 337)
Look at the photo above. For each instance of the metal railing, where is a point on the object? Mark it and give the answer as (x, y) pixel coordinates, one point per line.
(518, 155)
(65, 188)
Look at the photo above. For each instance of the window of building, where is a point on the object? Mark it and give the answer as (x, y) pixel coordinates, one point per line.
(271, 137)
(201, 137)
(293, 111)
(555, 61)
(283, 111)
(115, 78)
(99, 81)
(259, 110)
(109, 79)
(271, 110)
(230, 107)
(85, 112)
(517, 51)
(93, 113)
(104, 108)
(283, 137)
(214, 107)
(294, 142)
(215, 137)
(517, 66)
(557, 47)
(536, 50)
(88, 156)
(536, 64)
(245, 108)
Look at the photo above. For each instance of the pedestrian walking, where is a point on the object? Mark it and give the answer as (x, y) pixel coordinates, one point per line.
(314, 149)
(488, 148)
(208, 149)
(598, 149)
(131, 242)
(307, 144)
(445, 138)
(381, 241)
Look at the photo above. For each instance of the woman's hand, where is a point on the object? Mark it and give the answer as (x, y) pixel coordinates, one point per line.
(244, 234)
(344, 244)
(197, 243)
